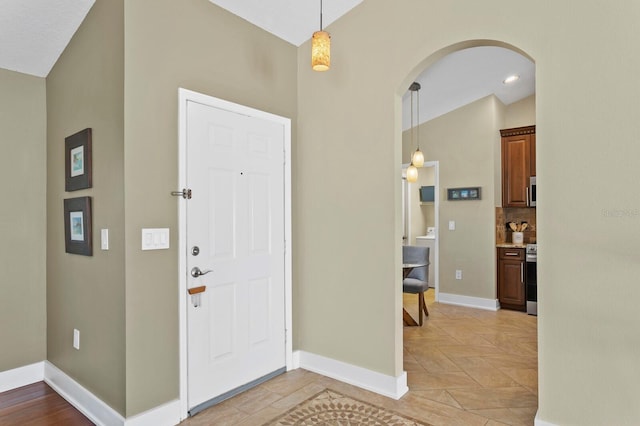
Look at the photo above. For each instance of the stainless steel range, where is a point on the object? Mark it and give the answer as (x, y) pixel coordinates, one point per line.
(531, 279)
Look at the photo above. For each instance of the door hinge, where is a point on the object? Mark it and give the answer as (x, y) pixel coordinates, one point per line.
(185, 193)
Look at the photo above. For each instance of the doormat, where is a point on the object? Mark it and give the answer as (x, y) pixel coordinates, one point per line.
(332, 408)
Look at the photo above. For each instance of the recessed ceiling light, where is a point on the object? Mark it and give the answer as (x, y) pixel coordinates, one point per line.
(511, 79)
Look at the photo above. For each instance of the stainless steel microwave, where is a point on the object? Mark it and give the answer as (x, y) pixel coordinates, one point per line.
(532, 191)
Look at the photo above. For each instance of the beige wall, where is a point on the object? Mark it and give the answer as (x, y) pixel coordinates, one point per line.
(521, 113)
(198, 46)
(85, 89)
(463, 141)
(587, 241)
(22, 220)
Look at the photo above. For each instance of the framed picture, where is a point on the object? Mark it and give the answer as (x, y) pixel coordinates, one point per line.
(77, 163)
(455, 194)
(78, 238)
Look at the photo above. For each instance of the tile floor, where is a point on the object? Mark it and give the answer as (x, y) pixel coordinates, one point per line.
(465, 367)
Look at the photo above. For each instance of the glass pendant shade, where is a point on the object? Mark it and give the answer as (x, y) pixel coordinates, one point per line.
(418, 158)
(321, 51)
(412, 173)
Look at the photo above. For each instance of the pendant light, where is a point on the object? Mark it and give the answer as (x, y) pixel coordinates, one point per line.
(412, 170)
(418, 157)
(321, 48)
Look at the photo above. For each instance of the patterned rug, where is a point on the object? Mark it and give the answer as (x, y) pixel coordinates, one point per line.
(333, 409)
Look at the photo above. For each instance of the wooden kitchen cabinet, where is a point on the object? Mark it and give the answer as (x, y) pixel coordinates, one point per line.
(511, 289)
(518, 164)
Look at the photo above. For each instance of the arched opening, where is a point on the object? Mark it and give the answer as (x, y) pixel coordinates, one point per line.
(463, 138)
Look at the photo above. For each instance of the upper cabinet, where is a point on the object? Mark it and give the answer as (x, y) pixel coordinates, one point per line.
(518, 164)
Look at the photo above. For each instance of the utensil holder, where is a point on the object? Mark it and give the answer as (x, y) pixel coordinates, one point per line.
(517, 238)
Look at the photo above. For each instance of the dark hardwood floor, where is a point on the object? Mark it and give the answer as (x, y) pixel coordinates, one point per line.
(38, 405)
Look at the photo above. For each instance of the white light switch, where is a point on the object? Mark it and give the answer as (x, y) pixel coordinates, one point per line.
(155, 238)
(452, 225)
(76, 339)
(104, 239)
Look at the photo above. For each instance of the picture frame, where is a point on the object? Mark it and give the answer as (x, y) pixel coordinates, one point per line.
(464, 194)
(78, 235)
(78, 162)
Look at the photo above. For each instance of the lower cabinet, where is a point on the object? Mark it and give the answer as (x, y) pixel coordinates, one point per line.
(511, 291)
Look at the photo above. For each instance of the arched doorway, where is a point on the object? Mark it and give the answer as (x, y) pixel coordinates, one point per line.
(466, 141)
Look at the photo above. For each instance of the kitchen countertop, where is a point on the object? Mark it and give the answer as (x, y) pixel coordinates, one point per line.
(511, 245)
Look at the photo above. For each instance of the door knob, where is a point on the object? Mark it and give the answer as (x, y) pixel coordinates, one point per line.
(196, 272)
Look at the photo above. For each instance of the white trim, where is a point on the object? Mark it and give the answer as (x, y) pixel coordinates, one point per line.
(185, 95)
(392, 387)
(86, 402)
(163, 415)
(21, 376)
(538, 422)
(469, 301)
(436, 207)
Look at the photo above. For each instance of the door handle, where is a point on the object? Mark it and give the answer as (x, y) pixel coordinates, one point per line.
(522, 272)
(196, 272)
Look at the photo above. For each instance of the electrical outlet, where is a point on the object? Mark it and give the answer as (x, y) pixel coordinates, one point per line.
(76, 339)
(452, 225)
(458, 274)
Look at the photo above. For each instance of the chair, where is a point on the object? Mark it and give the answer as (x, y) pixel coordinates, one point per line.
(417, 282)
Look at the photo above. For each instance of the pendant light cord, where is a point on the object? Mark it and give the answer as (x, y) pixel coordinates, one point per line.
(418, 122)
(412, 129)
(320, 15)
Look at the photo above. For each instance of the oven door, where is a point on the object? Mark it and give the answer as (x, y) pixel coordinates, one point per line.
(531, 287)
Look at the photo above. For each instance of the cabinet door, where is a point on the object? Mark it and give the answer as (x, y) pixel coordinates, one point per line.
(516, 170)
(511, 284)
(532, 159)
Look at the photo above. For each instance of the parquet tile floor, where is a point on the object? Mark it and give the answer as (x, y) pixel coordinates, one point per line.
(464, 366)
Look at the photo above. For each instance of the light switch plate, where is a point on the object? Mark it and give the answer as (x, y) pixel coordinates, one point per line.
(104, 239)
(452, 225)
(155, 238)
(76, 339)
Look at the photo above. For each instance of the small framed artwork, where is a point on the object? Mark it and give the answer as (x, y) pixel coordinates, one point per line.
(456, 194)
(78, 238)
(77, 163)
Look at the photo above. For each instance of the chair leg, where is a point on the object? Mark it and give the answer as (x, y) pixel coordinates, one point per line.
(420, 304)
(424, 305)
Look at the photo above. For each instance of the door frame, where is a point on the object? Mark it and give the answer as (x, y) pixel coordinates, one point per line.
(436, 205)
(185, 96)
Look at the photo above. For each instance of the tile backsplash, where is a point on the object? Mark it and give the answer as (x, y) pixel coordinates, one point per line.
(504, 215)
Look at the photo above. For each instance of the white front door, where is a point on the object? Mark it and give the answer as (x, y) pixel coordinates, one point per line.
(235, 232)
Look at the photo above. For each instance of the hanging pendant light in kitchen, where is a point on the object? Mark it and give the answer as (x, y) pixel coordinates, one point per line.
(418, 157)
(321, 48)
(412, 170)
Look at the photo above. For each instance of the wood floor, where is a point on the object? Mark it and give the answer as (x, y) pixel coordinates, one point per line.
(38, 405)
(465, 367)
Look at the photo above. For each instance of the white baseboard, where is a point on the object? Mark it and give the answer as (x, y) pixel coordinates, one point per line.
(100, 413)
(469, 301)
(538, 422)
(392, 387)
(164, 415)
(21, 376)
(78, 396)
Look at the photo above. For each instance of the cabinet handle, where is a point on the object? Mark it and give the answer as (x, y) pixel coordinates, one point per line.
(522, 272)
(510, 253)
(527, 188)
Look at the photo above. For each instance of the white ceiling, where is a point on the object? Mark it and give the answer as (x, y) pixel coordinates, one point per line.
(291, 20)
(33, 34)
(466, 76)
